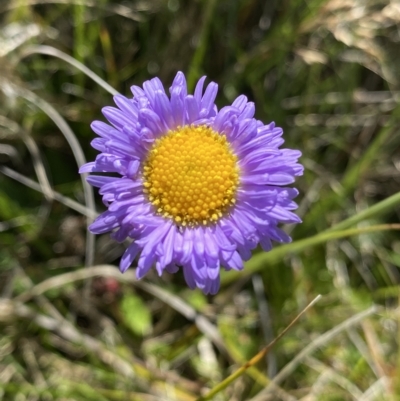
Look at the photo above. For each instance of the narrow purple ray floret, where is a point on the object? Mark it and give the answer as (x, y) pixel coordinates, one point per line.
(198, 188)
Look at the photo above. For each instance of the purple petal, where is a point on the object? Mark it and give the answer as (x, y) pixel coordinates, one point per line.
(126, 106)
(99, 180)
(128, 257)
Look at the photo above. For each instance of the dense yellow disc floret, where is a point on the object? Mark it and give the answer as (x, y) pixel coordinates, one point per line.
(191, 175)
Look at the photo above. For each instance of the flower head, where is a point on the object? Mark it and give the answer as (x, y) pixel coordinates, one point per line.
(198, 188)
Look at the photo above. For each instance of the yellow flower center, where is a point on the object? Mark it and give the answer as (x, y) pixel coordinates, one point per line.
(191, 176)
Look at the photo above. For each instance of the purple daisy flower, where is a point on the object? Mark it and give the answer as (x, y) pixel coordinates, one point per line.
(198, 188)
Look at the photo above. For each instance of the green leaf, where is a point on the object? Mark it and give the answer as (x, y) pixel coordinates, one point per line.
(136, 314)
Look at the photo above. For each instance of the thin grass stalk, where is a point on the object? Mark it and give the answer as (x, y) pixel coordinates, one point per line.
(314, 345)
(75, 147)
(52, 51)
(198, 57)
(260, 355)
(260, 260)
(72, 204)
